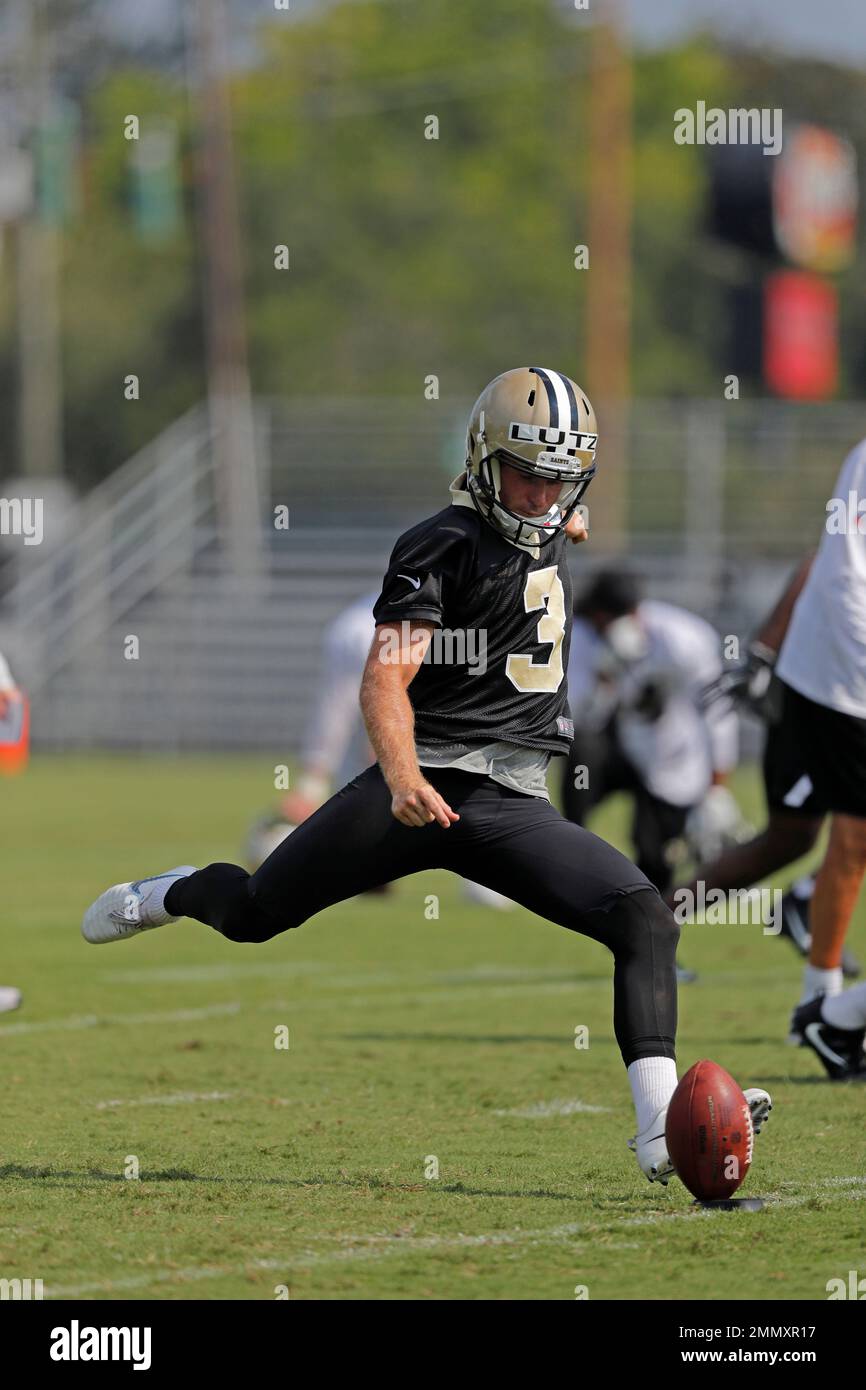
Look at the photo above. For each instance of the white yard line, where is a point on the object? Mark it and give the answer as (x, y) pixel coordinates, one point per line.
(179, 1098)
(74, 1023)
(341, 979)
(372, 1001)
(544, 1109)
(375, 1248)
(365, 1247)
(538, 1110)
(190, 1098)
(210, 974)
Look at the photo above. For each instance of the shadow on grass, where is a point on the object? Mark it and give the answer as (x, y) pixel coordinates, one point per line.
(16, 1170)
(811, 1081)
(685, 1039)
(61, 1177)
(507, 1038)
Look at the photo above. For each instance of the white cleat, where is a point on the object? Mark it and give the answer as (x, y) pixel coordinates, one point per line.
(10, 998)
(760, 1105)
(651, 1150)
(130, 908)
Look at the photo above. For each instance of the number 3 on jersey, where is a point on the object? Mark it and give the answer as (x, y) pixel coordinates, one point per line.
(520, 669)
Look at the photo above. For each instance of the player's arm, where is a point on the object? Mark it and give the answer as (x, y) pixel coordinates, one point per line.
(772, 633)
(750, 682)
(395, 655)
(766, 644)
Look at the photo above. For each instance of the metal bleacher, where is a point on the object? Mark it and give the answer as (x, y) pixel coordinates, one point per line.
(229, 660)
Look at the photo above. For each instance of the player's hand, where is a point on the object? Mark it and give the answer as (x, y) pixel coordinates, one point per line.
(421, 805)
(750, 683)
(577, 529)
(296, 808)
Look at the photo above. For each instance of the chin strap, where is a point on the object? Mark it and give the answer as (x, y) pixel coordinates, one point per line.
(485, 504)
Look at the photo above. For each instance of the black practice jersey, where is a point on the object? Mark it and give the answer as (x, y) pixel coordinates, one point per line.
(495, 668)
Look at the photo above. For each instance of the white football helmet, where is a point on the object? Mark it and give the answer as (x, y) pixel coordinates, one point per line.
(541, 422)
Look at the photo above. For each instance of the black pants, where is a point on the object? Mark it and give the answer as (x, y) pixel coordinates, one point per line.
(654, 822)
(518, 844)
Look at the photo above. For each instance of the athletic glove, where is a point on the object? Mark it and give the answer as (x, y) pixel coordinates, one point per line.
(751, 684)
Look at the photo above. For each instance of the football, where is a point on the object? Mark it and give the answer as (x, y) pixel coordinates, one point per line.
(709, 1132)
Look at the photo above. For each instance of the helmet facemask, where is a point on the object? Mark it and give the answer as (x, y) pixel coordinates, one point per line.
(485, 491)
(539, 422)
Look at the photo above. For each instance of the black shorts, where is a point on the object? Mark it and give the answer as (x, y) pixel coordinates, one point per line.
(815, 760)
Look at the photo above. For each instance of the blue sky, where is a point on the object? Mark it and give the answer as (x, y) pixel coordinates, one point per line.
(830, 29)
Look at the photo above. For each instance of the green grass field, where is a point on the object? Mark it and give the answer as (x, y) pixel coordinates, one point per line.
(409, 1039)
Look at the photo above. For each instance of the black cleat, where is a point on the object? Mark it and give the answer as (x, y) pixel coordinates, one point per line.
(795, 920)
(795, 925)
(840, 1050)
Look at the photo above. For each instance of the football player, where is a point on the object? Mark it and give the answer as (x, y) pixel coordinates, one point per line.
(815, 759)
(636, 673)
(464, 700)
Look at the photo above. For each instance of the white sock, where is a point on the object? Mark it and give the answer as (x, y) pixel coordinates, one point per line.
(653, 1081)
(815, 980)
(153, 891)
(846, 1010)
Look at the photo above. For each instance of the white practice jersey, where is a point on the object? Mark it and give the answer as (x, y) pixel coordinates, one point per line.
(337, 740)
(823, 655)
(676, 753)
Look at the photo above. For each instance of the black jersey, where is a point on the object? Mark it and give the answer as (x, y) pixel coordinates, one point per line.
(495, 668)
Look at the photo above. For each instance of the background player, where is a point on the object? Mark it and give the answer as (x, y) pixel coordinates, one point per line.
(636, 673)
(815, 761)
